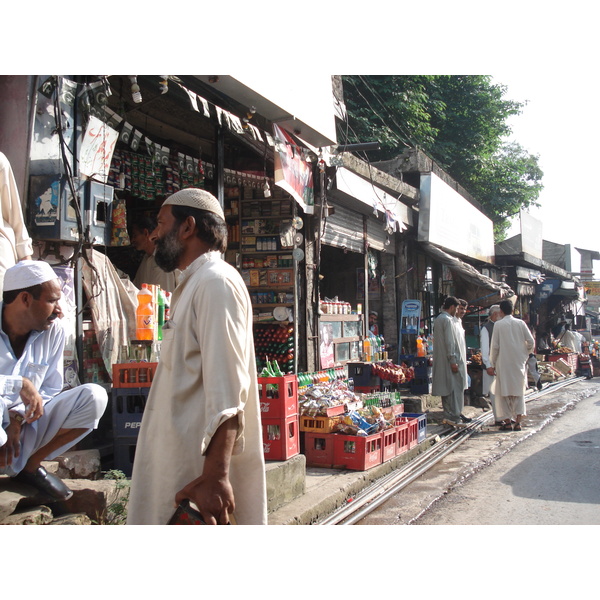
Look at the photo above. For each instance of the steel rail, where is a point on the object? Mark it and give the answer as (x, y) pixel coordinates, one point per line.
(380, 492)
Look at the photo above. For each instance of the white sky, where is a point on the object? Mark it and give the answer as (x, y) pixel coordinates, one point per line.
(558, 125)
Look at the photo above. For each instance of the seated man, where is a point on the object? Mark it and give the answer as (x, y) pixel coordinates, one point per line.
(39, 421)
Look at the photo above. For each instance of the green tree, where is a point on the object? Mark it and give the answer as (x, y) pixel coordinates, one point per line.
(461, 121)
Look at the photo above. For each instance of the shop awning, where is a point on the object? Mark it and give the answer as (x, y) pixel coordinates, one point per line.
(484, 290)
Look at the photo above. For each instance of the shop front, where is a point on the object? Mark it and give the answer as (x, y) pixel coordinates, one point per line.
(357, 262)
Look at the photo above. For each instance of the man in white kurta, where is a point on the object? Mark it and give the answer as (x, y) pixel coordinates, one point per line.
(39, 420)
(206, 378)
(485, 339)
(511, 345)
(461, 344)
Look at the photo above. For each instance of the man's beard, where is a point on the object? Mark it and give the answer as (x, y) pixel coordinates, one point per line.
(168, 251)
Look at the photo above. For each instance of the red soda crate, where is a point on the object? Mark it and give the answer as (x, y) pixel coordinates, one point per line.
(281, 438)
(133, 374)
(318, 449)
(402, 438)
(389, 444)
(355, 452)
(413, 430)
(278, 396)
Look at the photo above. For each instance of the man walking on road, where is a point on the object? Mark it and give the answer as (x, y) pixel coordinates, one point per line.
(511, 345)
(447, 380)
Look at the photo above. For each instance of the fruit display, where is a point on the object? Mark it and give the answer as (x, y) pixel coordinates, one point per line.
(393, 373)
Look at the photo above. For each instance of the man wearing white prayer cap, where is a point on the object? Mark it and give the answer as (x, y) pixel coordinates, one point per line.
(39, 421)
(201, 436)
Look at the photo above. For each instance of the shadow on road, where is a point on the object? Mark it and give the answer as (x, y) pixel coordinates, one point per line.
(574, 468)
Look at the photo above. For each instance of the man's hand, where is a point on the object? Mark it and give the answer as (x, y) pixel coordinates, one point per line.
(212, 492)
(214, 498)
(32, 400)
(454, 367)
(491, 371)
(12, 447)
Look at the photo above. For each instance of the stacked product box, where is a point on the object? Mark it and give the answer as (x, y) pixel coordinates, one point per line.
(279, 416)
(131, 385)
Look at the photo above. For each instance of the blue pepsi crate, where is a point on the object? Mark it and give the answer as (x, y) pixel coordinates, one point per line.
(422, 424)
(420, 385)
(124, 454)
(360, 373)
(127, 410)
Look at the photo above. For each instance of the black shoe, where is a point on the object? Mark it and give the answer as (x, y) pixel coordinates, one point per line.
(45, 482)
(465, 419)
(539, 385)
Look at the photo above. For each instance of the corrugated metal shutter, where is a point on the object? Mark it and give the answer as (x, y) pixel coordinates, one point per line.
(344, 229)
(377, 236)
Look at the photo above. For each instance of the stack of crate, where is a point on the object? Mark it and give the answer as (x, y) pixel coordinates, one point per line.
(279, 416)
(421, 384)
(130, 388)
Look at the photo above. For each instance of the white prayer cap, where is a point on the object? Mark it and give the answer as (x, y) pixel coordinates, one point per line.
(27, 273)
(196, 198)
(494, 308)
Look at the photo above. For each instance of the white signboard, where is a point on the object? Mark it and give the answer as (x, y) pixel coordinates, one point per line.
(97, 150)
(531, 235)
(452, 222)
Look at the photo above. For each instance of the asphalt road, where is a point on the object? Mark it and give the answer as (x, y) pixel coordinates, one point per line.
(546, 474)
(551, 478)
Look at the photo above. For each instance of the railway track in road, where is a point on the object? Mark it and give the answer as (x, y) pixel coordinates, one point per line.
(380, 492)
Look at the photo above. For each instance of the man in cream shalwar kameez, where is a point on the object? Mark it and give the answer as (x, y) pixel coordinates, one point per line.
(485, 339)
(206, 378)
(511, 345)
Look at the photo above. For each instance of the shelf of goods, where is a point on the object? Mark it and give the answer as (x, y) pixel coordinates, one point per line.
(263, 239)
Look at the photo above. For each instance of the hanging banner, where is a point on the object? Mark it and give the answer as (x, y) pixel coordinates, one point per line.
(411, 317)
(97, 150)
(292, 173)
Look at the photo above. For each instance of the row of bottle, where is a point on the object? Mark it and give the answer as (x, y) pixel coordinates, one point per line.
(152, 312)
(325, 376)
(275, 342)
(374, 348)
(337, 307)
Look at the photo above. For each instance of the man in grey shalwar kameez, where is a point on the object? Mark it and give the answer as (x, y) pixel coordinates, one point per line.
(447, 379)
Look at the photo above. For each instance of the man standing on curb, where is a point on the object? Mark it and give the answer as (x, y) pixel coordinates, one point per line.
(201, 437)
(485, 339)
(511, 345)
(447, 381)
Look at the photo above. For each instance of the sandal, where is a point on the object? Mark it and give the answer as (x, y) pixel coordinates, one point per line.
(517, 427)
(506, 427)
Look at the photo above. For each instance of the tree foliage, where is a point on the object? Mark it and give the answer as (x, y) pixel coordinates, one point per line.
(461, 121)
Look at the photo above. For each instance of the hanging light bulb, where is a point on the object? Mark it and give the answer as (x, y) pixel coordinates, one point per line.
(136, 94)
(266, 189)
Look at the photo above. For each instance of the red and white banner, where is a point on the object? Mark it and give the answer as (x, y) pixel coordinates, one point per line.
(292, 172)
